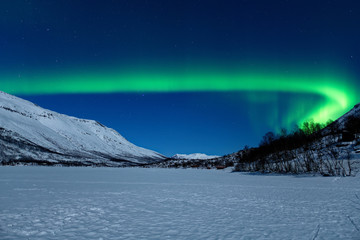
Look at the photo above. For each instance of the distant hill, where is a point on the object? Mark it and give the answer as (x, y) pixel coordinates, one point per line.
(194, 156)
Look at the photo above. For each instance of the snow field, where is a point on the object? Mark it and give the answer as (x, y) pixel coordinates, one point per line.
(135, 203)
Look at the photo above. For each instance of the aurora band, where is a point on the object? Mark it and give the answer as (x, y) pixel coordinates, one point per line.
(338, 96)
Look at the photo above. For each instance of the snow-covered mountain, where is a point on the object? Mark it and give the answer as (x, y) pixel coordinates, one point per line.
(197, 156)
(29, 133)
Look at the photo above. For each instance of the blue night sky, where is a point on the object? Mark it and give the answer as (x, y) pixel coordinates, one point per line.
(67, 55)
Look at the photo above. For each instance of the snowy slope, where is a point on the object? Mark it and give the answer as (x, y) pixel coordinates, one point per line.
(198, 156)
(60, 137)
(354, 112)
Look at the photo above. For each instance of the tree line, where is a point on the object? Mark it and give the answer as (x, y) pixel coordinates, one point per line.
(304, 149)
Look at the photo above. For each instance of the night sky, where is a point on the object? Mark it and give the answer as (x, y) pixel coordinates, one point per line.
(184, 76)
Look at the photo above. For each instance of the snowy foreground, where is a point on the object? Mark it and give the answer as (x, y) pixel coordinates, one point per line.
(134, 203)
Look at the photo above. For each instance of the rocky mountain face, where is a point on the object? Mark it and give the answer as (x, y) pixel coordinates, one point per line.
(30, 134)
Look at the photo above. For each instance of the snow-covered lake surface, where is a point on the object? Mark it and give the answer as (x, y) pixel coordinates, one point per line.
(133, 203)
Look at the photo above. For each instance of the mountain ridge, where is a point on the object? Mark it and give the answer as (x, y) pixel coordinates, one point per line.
(29, 133)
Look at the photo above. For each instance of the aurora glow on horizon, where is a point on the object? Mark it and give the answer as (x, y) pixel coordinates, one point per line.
(212, 76)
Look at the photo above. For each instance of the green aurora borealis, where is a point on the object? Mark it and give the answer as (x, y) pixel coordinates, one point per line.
(184, 76)
(337, 94)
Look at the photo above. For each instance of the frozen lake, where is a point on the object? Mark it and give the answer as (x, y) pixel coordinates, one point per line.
(134, 203)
